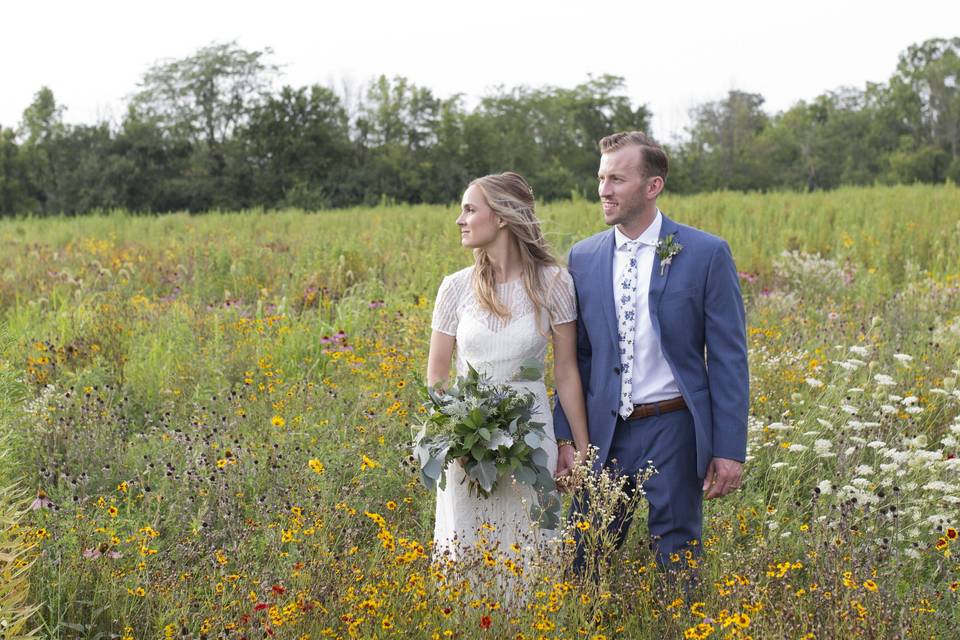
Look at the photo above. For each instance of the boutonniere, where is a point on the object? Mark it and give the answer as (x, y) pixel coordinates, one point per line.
(667, 248)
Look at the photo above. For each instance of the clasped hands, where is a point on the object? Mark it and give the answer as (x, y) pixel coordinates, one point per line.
(723, 475)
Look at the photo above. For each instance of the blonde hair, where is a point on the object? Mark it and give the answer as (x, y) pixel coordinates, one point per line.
(511, 198)
(652, 156)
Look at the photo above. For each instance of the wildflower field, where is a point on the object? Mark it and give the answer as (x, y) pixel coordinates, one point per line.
(205, 422)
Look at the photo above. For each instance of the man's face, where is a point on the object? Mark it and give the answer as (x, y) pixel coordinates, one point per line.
(622, 185)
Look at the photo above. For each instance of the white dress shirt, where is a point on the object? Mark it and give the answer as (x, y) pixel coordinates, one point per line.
(652, 379)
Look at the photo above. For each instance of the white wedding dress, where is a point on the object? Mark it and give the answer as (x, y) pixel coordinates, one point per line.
(498, 527)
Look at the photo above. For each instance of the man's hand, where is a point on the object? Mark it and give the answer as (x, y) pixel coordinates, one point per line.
(565, 460)
(723, 476)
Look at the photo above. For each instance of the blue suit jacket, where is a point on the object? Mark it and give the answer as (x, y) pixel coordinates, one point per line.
(698, 317)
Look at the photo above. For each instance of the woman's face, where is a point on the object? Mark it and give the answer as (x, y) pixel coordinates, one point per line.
(479, 225)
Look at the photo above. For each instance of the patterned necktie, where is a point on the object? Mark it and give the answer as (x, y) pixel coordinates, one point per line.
(627, 326)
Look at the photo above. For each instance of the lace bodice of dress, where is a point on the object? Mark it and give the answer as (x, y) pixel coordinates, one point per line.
(494, 346)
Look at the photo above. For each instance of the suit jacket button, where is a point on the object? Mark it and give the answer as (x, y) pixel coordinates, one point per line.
(616, 370)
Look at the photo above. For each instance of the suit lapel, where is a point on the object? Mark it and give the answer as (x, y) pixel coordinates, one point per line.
(658, 283)
(603, 270)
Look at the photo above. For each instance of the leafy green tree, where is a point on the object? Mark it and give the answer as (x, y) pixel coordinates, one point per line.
(41, 130)
(395, 127)
(13, 192)
(203, 99)
(298, 150)
(925, 90)
(722, 152)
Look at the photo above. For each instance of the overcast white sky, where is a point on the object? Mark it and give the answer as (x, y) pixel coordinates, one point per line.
(673, 54)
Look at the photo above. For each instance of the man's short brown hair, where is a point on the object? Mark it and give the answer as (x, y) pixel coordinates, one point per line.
(652, 155)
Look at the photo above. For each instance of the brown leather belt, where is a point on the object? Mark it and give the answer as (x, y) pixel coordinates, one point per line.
(657, 408)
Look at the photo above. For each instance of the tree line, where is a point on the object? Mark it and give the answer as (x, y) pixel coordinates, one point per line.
(208, 132)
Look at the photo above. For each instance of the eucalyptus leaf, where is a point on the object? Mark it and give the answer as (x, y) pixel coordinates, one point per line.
(433, 469)
(500, 438)
(484, 472)
(539, 457)
(533, 441)
(525, 475)
(428, 482)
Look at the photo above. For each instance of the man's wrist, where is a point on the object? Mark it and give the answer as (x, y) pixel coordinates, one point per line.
(564, 441)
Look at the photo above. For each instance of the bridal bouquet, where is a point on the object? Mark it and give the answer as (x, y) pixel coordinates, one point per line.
(489, 429)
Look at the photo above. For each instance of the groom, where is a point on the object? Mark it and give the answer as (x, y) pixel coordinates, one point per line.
(661, 344)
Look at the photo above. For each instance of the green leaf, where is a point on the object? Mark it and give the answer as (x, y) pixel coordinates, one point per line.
(530, 370)
(484, 433)
(533, 440)
(433, 469)
(539, 457)
(525, 475)
(500, 438)
(484, 472)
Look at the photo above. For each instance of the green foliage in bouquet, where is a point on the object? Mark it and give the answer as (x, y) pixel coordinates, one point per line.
(489, 428)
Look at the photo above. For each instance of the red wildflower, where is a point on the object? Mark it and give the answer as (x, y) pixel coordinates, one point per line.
(485, 622)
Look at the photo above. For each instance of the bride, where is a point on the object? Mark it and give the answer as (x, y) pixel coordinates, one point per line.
(498, 314)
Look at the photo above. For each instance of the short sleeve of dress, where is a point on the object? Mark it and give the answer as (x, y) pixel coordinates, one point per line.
(446, 314)
(562, 299)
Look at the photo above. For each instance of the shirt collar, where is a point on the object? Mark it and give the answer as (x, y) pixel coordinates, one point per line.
(649, 237)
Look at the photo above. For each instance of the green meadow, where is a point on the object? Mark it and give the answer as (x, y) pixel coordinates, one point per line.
(205, 424)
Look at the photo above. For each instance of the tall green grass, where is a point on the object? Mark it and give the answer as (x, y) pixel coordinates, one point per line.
(214, 402)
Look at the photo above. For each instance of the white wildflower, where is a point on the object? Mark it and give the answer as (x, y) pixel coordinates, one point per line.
(860, 351)
(825, 486)
(887, 409)
(820, 445)
(864, 470)
(797, 448)
(909, 400)
(849, 408)
(876, 444)
(884, 380)
(813, 382)
(903, 357)
(918, 442)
